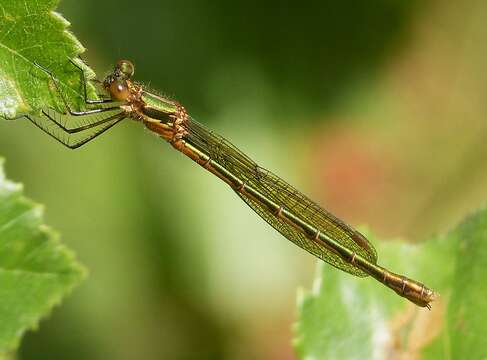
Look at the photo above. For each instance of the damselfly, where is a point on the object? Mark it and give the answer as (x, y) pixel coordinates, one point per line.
(286, 209)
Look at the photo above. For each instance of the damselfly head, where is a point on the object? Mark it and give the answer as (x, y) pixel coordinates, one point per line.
(116, 82)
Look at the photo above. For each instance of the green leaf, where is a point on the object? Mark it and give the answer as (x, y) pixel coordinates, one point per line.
(36, 270)
(467, 312)
(32, 33)
(352, 318)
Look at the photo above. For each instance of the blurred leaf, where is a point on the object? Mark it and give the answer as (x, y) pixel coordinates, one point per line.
(467, 311)
(9, 356)
(347, 317)
(36, 271)
(31, 32)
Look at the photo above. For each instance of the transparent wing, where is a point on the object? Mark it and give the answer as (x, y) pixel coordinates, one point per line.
(276, 189)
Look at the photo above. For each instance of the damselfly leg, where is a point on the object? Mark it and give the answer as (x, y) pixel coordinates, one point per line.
(65, 100)
(104, 97)
(95, 121)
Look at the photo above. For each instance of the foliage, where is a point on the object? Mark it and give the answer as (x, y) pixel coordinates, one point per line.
(33, 35)
(36, 270)
(344, 317)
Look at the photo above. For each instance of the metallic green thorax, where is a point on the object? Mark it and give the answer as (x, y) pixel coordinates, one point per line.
(157, 107)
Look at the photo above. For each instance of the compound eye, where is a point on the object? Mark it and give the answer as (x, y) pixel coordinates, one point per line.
(119, 90)
(126, 68)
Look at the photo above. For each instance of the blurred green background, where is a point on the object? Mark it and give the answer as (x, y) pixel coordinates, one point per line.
(376, 109)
